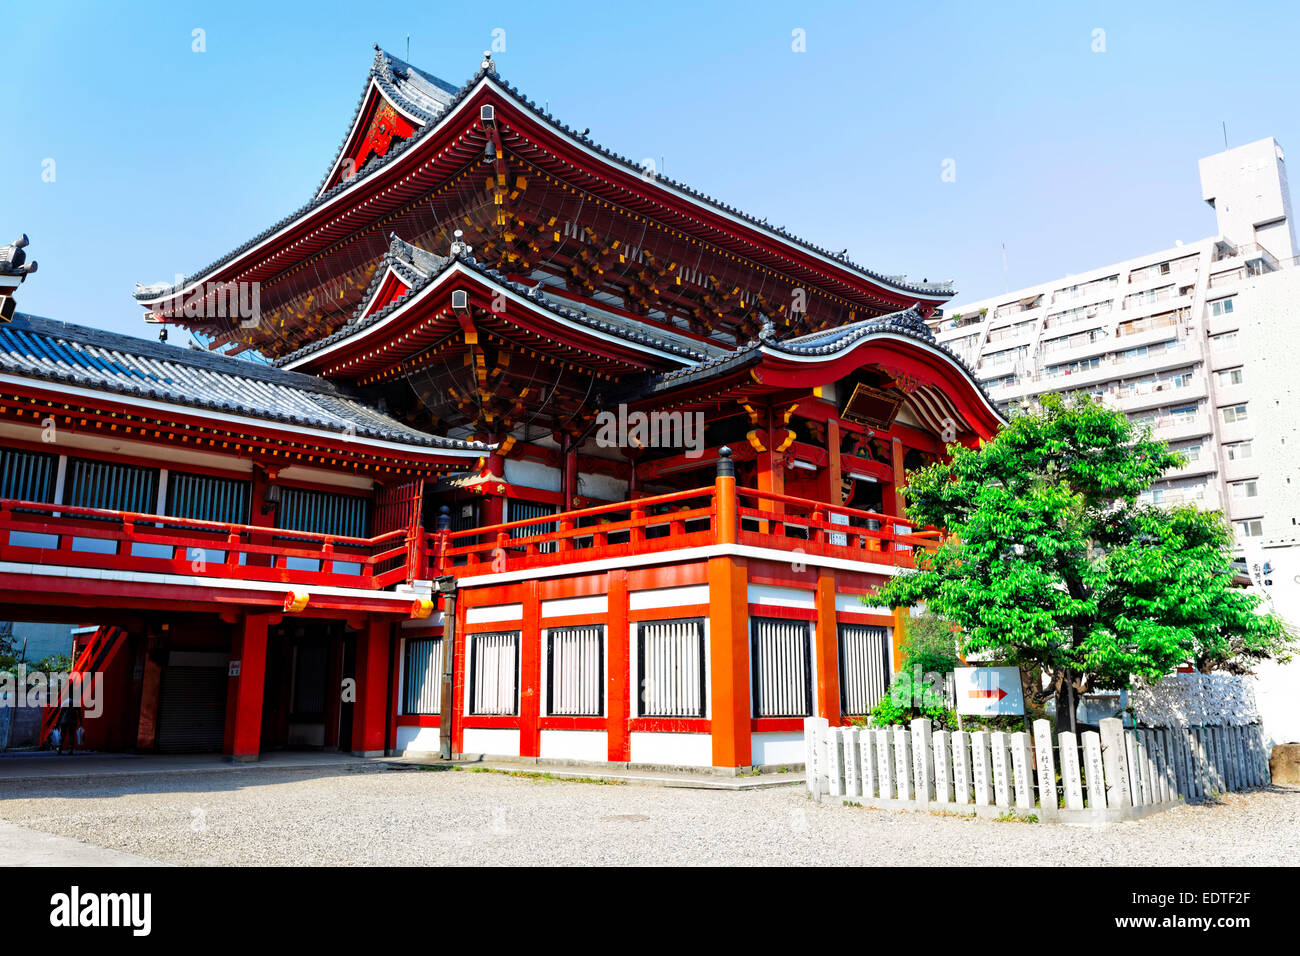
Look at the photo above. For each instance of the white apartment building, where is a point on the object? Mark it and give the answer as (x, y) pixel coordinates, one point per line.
(1201, 341)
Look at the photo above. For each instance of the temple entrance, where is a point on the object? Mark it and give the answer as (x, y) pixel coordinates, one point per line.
(304, 659)
(192, 702)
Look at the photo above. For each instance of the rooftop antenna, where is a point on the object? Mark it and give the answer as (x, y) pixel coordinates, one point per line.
(1225, 133)
(1005, 286)
(408, 48)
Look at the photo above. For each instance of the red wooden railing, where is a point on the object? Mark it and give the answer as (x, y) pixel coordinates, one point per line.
(126, 541)
(684, 519)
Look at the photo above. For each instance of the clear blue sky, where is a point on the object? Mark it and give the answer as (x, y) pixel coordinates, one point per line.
(166, 159)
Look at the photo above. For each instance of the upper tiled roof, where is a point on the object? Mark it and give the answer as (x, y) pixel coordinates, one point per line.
(39, 348)
(418, 268)
(399, 147)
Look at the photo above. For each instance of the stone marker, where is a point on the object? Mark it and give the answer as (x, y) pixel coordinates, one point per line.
(1134, 768)
(1001, 769)
(942, 767)
(1284, 764)
(1092, 765)
(852, 763)
(1115, 764)
(961, 766)
(923, 759)
(814, 734)
(1071, 778)
(903, 762)
(1160, 780)
(867, 761)
(980, 766)
(1171, 757)
(1022, 763)
(834, 762)
(885, 762)
(1045, 767)
(1140, 769)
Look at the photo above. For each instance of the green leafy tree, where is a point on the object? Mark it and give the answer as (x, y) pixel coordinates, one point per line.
(928, 652)
(1053, 563)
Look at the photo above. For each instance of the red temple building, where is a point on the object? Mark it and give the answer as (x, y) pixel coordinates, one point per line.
(635, 457)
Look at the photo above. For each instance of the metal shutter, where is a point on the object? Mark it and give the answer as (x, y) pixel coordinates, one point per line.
(523, 511)
(323, 513)
(782, 671)
(864, 667)
(27, 475)
(576, 683)
(207, 499)
(494, 673)
(102, 484)
(422, 676)
(192, 709)
(670, 663)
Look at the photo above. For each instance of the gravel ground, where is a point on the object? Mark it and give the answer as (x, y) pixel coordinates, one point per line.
(415, 817)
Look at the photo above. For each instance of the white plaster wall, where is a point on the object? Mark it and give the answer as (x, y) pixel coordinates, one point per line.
(494, 612)
(574, 745)
(560, 607)
(668, 597)
(777, 748)
(781, 597)
(496, 741)
(418, 740)
(681, 750)
(853, 604)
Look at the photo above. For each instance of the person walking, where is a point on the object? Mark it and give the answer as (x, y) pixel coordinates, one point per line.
(68, 723)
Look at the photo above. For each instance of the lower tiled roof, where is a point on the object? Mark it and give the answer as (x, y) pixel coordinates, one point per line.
(43, 349)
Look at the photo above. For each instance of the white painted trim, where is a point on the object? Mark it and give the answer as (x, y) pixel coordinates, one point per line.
(668, 597)
(184, 580)
(588, 604)
(66, 390)
(675, 557)
(492, 613)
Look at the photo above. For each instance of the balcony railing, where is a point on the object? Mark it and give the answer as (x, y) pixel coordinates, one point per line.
(703, 517)
(37, 533)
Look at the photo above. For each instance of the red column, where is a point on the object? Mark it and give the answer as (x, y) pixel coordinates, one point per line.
(530, 659)
(620, 703)
(243, 741)
(729, 650)
(828, 671)
(370, 713)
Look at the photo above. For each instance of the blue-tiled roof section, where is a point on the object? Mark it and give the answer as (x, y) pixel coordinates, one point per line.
(39, 348)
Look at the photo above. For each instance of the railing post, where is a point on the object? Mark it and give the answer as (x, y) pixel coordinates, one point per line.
(636, 534)
(724, 499)
(444, 540)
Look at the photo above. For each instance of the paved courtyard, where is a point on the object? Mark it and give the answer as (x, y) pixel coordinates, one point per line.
(368, 814)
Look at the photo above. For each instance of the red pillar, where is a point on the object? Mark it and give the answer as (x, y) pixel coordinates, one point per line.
(729, 650)
(828, 671)
(620, 703)
(370, 712)
(244, 690)
(530, 658)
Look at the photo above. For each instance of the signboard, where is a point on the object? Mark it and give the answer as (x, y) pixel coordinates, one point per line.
(233, 671)
(989, 691)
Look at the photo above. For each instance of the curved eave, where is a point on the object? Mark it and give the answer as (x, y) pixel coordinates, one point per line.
(432, 297)
(369, 185)
(929, 364)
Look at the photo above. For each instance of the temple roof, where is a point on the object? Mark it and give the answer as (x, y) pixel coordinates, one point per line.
(39, 348)
(411, 88)
(419, 269)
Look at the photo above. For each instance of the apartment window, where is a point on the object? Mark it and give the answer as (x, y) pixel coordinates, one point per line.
(1005, 357)
(422, 676)
(1237, 450)
(1071, 341)
(670, 663)
(1221, 306)
(782, 667)
(575, 684)
(1223, 338)
(1072, 368)
(494, 673)
(1244, 489)
(1228, 376)
(1147, 323)
(1250, 529)
(1190, 452)
(1011, 331)
(1233, 413)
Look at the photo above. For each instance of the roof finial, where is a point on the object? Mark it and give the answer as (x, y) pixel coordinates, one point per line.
(458, 247)
(487, 63)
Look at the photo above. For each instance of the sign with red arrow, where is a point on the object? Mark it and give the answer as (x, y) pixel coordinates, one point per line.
(988, 691)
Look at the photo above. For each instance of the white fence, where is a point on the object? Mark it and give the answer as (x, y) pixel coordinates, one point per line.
(1114, 774)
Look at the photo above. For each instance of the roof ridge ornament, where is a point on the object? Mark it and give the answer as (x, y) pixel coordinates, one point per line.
(487, 66)
(459, 249)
